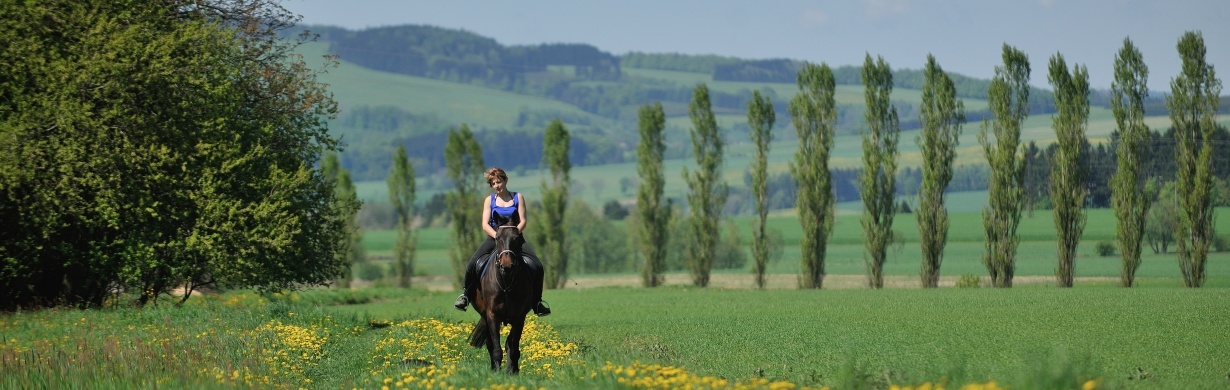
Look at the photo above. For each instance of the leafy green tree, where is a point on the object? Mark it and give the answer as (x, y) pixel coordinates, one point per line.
(1068, 163)
(877, 181)
(464, 158)
(941, 117)
(760, 117)
(154, 145)
(1195, 95)
(332, 170)
(401, 197)
(552, 235)
(1008, 97)
(653, 213)
(814, 113)
(706, 191)
(1131, 197)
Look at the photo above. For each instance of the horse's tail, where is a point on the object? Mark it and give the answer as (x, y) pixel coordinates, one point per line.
(478, 336)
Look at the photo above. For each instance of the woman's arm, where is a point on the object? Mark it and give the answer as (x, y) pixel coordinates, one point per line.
(521, 213)
(487, 217)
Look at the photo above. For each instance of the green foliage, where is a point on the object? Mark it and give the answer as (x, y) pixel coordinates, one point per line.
(760, 117)
(152, 145)
(1104, 249)
(968, 281)
(1131, 198)
(706, 191)
(1195, 95)
(553, 236)
(1009, 100)
(877, 181)
(464, 158)
(1068, 172)
(371, 271)
(614, 211)
(344, 188)
(596, 245)
(941, 117)
(1163, 219)
(653, 213)
(814, 112)
(401, 196)
(675, 61)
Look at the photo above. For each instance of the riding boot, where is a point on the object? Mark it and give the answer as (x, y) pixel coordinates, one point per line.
(467, 289)
(541, 308)
(463, 300)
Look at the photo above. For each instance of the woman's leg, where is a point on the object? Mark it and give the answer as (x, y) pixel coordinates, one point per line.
(471, 276)
(536, 267)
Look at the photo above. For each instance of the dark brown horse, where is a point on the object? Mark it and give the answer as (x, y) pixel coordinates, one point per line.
(504, 296)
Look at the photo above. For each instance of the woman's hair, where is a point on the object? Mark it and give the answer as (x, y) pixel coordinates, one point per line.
(496, 173)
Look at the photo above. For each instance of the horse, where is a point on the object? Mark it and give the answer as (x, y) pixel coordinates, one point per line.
(504, 296)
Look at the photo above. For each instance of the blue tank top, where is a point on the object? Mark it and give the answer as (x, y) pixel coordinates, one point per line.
(504, 215)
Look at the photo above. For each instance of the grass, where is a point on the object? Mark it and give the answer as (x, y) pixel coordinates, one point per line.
(1031, 337)
(1023, 337)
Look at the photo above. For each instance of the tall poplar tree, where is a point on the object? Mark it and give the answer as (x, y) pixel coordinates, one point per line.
(401, 197)
(1130, 197)
(653, 214)
(760, 118)
(942, 115)
(1008, 97)
(706, 191)
(1068, 163)
(463, 158)
(814, 114)
(1193, 105)
(550, 234)
(331, 169)
(877, 181)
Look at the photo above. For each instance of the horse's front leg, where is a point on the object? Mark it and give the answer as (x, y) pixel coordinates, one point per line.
(514, 345)
(493, 346)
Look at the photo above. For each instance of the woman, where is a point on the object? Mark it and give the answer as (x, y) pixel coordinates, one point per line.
(502, 207)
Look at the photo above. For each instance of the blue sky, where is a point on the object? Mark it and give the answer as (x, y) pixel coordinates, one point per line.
(966, 36)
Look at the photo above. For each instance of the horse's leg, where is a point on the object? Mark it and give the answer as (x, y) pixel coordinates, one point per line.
(493, 346)
(514, 345)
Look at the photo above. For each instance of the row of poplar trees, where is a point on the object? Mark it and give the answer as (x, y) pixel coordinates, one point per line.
(1192, 104)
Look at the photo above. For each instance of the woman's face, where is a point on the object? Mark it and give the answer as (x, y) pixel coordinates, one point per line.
(497, 185)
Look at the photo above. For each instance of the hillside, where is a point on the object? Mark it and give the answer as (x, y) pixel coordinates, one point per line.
(382, 108)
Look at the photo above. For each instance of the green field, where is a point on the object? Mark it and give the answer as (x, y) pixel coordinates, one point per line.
(1093, 335)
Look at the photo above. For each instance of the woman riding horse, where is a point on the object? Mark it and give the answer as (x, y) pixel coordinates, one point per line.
(503, 208)
(504, 296)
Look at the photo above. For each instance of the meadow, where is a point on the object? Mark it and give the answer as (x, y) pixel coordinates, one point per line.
(1091, 336)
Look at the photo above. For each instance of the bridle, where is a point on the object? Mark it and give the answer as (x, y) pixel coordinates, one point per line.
(499, 280)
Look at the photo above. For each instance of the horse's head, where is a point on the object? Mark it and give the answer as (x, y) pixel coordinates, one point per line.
(507, 246)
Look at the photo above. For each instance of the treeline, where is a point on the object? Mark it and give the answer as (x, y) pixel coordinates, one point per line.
(1102, 161)
(465, 57)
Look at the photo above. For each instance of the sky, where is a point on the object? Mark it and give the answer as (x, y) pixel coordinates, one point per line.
(965, 36)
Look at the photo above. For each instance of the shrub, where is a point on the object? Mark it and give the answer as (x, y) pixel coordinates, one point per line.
(1105, 248)
(969, 281)
(369, 271)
